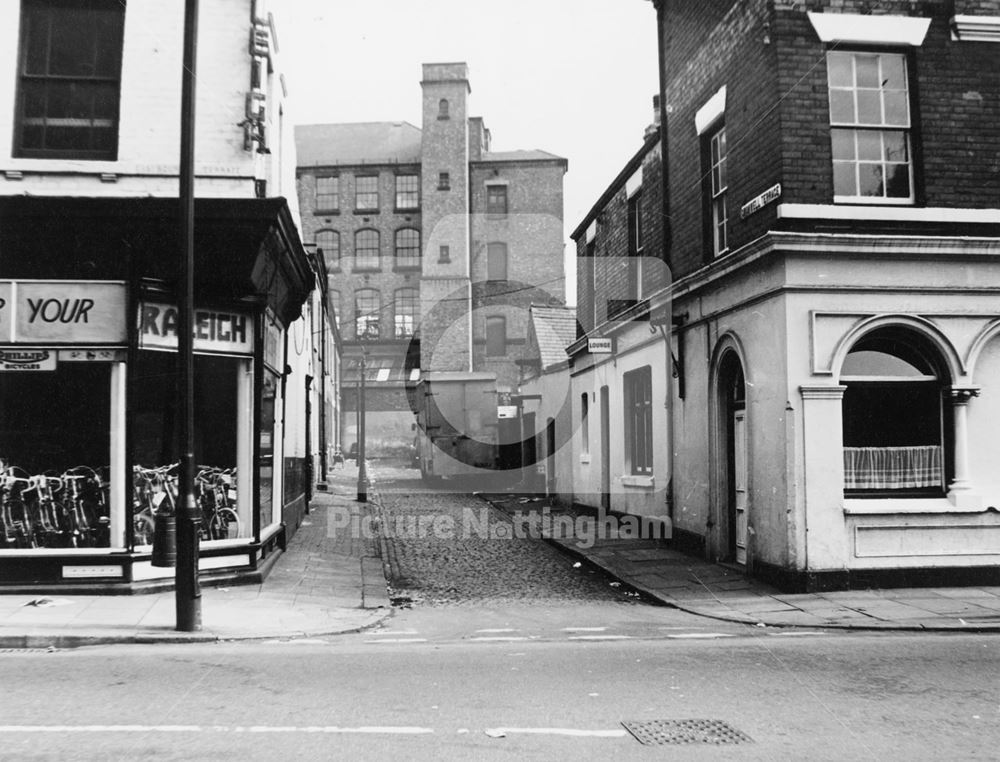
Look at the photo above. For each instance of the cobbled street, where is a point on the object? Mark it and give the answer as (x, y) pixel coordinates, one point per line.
(481, 567)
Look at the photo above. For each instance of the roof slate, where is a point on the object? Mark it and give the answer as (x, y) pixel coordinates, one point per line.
(555, 329)
(357, 143)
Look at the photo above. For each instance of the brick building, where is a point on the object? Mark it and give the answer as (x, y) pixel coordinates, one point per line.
(89, 287)
(822, 413)
(437, 246)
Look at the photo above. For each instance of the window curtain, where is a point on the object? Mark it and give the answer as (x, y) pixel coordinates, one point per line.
(892, 467)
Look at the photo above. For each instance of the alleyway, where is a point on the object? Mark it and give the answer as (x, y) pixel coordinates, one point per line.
(473, 557)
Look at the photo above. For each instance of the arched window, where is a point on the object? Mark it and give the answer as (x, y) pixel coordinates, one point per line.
(894, 418)
(329, 242)
(367, 310)
(407, 307)
(366, 249)
(496, 261)
(407, 248)
(443, 109)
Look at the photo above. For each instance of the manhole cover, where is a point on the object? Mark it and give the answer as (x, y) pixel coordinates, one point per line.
(675, 732)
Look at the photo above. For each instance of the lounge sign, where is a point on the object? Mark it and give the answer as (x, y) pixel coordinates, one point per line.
(62, 312)
(214, 331)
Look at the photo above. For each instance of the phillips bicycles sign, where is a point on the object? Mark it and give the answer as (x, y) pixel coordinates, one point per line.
(27, 359)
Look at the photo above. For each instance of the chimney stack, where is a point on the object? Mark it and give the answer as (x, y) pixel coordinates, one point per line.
(655, 126)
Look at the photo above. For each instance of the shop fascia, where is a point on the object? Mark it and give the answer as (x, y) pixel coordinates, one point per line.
(50, 331)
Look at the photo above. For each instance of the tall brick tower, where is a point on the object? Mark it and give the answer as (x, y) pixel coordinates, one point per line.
(445, 286)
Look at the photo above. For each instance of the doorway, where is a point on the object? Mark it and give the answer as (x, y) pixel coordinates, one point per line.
(605, 449)
(734, 492)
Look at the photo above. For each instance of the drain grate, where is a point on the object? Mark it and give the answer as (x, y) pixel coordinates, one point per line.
(679, 732)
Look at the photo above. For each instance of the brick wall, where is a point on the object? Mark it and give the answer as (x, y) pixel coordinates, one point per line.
(777, 115)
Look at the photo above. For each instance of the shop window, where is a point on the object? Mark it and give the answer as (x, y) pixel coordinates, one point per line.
(366, 193)
(328, 241)
(367, 313)
(407, 248)
(327, 194)
(407, 308)
(496, 200)
(407, 192)
(221, 486)
(638, 389)
(55, 456)
(893, 416)
(870, 127)
(366, 249)
(496, 336)
(496, 261)
(69, 79)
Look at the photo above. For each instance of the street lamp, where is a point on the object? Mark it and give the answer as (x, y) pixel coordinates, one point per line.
(362, 470)
(187, 590)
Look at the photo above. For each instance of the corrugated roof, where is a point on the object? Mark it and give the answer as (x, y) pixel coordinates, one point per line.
(555, 329)
(529, 155)
(357, 143)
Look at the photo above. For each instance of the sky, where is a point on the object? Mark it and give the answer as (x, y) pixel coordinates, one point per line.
(572, 77)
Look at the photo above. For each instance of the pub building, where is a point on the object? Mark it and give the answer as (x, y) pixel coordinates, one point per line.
(88, 354)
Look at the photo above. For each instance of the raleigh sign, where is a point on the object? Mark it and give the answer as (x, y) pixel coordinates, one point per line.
(62, 312)
(214, 332)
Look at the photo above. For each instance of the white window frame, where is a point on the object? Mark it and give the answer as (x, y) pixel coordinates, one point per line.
(855, 128)
(718, 159)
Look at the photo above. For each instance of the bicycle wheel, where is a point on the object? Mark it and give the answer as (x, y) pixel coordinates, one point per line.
(143, 528)
(224, 524)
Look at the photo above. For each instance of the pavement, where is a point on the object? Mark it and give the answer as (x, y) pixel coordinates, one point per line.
(331, 580)
(328, 581)
(675, 578)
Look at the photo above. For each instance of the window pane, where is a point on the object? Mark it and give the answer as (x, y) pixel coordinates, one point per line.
(893, 72)
(896, 109)
(72, 48)
(844, 179)
(866, 71)
(898, 183)
(895, 146)
(496, 261)
(870, 177)
(496, 337)
(869, 145)
(869, 107)
(840, 70)
(842, 106)
(36, 29)
(842, 143)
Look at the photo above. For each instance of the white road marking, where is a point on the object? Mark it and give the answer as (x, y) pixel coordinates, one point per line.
(498, 629)
(600, 637)
(500, 638)
(693, 635)
(500, 732)
(370, 729)
(584, 629)
(100, 728)
(794, 634)
(398, 640)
